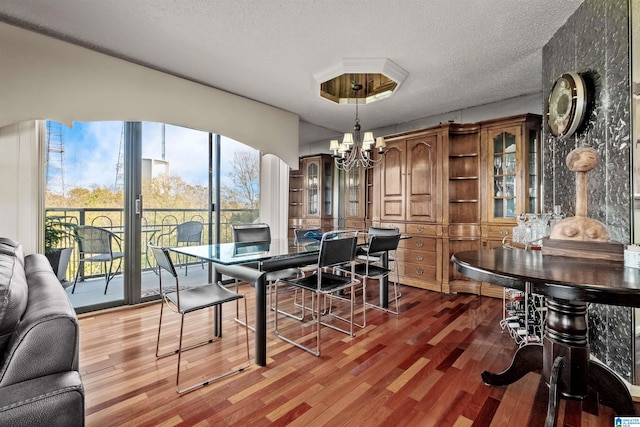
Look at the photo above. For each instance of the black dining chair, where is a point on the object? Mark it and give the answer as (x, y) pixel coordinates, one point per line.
(370, 267)
(185, 301)
(337, 248)
(260, 233)
(392, 258)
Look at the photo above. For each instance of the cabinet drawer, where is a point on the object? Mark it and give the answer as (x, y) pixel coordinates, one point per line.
(355, 223)
(499, 231)
(419, 243)
(419, 257)
(423, 229)
(328, 225)
(295, 222)
(401, 226)
(417, 271)
(464, 230)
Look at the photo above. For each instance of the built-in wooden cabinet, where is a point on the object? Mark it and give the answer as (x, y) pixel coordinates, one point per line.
(409, 178)
(449, 188)
(409, 183)
(462, 212)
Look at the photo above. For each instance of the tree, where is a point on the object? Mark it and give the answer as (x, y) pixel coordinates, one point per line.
(242, 188)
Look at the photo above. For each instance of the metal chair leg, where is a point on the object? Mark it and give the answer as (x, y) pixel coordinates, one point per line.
(182, 349)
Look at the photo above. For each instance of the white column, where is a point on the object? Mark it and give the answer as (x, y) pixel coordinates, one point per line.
(274, 195)
(22, 189)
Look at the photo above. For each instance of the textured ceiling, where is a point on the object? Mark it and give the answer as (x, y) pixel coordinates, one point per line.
(458, 53)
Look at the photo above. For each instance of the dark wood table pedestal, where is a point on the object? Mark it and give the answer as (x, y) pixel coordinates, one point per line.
(563, 357)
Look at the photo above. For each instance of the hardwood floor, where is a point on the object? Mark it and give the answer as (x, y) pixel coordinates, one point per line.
(421, 368)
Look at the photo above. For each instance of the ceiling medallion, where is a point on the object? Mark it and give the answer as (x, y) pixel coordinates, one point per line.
(379, 78)
(567, 105)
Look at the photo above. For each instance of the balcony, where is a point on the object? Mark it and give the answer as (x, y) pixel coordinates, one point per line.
(157, 225)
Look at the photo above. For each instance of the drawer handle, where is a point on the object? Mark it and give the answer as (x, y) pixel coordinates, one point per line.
(504, 231)
(420, 228)
(419, 271)
(419, 244)
(419, 258)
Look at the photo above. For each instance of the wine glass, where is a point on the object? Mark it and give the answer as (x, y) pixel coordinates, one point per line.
(498, 188)
(497, 162)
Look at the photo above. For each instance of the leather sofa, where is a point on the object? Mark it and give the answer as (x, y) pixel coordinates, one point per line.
(40, 384)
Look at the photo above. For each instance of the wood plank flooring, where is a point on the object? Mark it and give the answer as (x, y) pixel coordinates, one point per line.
(421, 368)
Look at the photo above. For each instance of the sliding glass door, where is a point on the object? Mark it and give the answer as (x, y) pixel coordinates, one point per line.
(144, 183)
(176, 199)
(85, 188)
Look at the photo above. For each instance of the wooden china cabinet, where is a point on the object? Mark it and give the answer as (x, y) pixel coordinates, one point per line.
(510, 174)
(311, 194)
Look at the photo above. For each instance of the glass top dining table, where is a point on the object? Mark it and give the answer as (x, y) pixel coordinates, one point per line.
(231, 259)
(238, 260)
(250, 252)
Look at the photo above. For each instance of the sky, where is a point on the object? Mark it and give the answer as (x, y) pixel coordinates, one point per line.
(91, 152)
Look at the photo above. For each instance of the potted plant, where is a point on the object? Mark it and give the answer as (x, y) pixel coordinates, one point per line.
(57, 230)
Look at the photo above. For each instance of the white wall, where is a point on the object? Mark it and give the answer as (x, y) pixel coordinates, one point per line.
(45, 78)
(22, 177)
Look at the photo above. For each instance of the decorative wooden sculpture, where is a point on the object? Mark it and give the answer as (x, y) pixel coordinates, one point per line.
(580, 236)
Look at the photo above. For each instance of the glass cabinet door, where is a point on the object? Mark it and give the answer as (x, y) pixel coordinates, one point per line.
(513, 169)
(533, 192)
(504, 175)
(312, 189)
(327, 183)
(353, 192)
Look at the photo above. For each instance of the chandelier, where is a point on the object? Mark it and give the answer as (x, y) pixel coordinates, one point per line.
(356, 150)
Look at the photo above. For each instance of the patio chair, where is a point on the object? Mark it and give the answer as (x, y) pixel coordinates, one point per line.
(187, 233)
(96, 244)
(185, 301)
(337, 248)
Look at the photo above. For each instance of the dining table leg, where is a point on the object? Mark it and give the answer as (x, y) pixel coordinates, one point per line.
(258, 278)
(384, 282)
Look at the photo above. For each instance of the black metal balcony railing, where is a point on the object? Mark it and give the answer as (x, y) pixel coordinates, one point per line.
(155, 223)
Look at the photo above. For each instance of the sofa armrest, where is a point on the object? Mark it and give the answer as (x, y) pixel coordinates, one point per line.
(52, 400)
(46, 340)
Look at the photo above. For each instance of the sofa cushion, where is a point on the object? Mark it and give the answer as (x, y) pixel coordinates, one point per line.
(13, 288)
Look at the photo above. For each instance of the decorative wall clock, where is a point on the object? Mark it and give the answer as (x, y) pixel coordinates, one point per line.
(567, 105)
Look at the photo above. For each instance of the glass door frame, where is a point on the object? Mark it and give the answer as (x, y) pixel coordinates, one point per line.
(133, 206)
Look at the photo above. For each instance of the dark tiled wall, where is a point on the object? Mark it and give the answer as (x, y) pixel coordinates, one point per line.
(595, 43)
